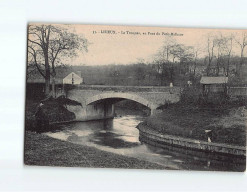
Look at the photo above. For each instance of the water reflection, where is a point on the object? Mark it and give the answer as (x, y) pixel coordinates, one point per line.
(122, 137)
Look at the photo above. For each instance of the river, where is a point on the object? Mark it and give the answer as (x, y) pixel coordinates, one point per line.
(120, 136)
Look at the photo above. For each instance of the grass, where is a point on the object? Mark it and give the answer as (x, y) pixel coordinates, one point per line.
(42, 150)
(228, 124)
(31, 107)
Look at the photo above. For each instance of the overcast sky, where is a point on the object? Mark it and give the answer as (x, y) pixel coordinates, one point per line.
(129, 48)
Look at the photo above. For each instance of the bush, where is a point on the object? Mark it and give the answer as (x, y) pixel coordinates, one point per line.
(52, 111)
(193, 95)
(190, 95)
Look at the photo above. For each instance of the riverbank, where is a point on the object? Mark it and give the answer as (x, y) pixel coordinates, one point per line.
(42, 150)
(152, 137)
(40, 113)
(228, 124)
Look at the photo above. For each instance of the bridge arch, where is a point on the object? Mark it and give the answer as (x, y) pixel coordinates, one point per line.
(120, 96)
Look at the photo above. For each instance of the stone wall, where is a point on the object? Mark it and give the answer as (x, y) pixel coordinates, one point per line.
(148, 135)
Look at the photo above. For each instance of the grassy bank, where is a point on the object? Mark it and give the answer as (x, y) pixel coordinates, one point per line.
(52, 111)
(228, 124)
(45, 151)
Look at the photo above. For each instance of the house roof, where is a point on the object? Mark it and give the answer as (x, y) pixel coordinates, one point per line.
(72, 73)
(61, 73)
(214, 80)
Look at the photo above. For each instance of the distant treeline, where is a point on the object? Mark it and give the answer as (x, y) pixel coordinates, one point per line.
(146, 74)
(142, 74)
(216, 54)
(135, 74)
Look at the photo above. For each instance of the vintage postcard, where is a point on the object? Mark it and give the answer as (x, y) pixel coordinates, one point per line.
(136, 97)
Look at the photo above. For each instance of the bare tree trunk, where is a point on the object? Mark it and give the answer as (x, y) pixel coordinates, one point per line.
(53, 84)
(47, 72)
(239, 68)
(228, 66)
(242, 43)
(194, 69)
(229, 57)
(47, 86)
(47, 80)
(210, 55)
(217, 68)
(171, 74)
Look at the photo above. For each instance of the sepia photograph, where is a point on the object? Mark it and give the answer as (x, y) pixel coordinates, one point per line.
(136, 97)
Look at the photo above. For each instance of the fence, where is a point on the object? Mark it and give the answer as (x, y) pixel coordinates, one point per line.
(237, 91)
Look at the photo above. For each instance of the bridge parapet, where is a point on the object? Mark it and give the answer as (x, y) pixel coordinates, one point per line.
(118, 95)
(129, 88)
(98, 104)
(153, 99)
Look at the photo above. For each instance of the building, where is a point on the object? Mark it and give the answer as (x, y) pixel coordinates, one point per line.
(63, 76)
(35, 86)
(73, 79)
(214, 84)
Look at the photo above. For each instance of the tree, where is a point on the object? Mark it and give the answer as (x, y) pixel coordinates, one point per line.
(164, 58)
(228, 44)
(140, 73)
(184, 56)
(48, 46)
(211, 43)
(220, 44)
(159, 66)
(241, 40)
(219, 52)
(195, 52)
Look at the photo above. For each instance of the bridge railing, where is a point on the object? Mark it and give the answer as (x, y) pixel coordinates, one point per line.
(129, 88)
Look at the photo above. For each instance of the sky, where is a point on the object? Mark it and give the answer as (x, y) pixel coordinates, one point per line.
(131, 44)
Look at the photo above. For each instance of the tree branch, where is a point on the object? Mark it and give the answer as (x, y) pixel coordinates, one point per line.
(35, 60)
(35, 43)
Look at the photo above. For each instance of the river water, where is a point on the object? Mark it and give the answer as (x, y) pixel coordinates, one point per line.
(120, 136)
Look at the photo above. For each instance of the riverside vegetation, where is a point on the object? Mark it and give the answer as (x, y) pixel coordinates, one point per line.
(46, 151)
(188, 118)
(193, 115)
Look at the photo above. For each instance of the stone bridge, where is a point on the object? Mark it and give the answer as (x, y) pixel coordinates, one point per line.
(98, 101)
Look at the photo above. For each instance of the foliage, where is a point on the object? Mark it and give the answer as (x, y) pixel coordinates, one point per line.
(190, 121)
(190, 95)
(48, 46)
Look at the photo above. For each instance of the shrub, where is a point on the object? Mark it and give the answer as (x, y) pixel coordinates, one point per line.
(190, 95)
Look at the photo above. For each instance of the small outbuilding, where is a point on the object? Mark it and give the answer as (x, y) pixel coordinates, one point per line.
(214, 84)
(73, 79)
